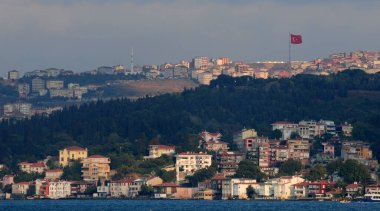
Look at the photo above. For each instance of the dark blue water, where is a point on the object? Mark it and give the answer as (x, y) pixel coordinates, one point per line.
(135, 205)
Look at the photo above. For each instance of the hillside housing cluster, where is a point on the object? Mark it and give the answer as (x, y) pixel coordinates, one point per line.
(295, 143)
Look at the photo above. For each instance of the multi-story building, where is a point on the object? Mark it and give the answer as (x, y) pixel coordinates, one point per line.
(38, 85)
(135, 187)
(299, 149)
(236, 188)
(54, 84)
(310, 129)
(282, 153)
(286, 128)
(241, 135)
(279, 188)
(20, 188)
(59, 189)
(70, 154)
(79, 188)
(216, 146)
(23, 90)
(96, 167)
(200, 62)
(189, 162)
(120, 188)
(356, 150)
(346, 129)
(156, 151)
(251, 146)
(328, 149)
(315, 189)
(264, 154)
(18, 108)
(13, 75)
(228, 162)
(32, 167)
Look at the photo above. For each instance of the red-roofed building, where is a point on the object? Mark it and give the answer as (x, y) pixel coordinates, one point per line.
(354, 189)
(71, 153)
(373, 188)
(156, 151)
(32, 167)
(315, 189)
(300, 190)
(319, 188)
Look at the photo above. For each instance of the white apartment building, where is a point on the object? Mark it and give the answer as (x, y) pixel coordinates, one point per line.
(286, 128)
(279, 188)
(237, 188)
(59, 189)
(189, 162)
(120, 188)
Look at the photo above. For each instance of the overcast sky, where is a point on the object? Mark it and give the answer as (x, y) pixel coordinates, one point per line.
(83, 34)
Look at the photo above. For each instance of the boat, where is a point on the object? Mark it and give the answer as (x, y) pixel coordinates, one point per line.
(344, 201)
(373, 196)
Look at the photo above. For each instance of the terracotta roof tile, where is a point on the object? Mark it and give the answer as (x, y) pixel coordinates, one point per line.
(75, 148)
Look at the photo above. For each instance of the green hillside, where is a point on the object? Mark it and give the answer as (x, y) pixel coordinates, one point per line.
(227, 105)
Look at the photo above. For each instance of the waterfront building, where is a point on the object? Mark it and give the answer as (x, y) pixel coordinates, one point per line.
(59, 189)
(21, 188)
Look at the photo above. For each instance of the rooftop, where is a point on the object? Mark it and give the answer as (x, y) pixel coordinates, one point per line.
(75, 148)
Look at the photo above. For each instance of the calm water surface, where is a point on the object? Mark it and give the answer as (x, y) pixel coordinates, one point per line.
(135, 205)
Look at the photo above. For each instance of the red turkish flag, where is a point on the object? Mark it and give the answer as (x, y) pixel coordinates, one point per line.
(295, 39)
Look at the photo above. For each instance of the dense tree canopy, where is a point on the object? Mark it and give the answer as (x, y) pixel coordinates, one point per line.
(247, 169)
(290, 167)
(201, 175)
(353, 171)
(126, 127)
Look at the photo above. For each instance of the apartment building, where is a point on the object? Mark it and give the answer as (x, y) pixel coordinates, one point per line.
(189, 162)
(96, 167)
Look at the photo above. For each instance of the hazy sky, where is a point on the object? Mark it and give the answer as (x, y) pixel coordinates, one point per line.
(84, 34)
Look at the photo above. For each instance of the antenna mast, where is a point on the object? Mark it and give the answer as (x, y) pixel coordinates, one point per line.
(132, 65)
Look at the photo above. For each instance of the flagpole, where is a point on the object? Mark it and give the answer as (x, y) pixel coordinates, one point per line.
(290, 61)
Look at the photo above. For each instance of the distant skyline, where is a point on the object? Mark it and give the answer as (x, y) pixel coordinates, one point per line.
(81, 35)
